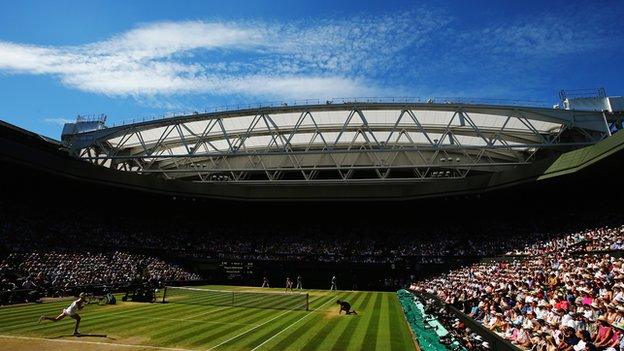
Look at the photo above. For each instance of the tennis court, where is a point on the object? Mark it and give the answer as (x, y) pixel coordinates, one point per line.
(192, 320)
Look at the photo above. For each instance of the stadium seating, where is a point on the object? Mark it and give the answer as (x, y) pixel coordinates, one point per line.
(562, 292)
(57, 273)
(25, 229)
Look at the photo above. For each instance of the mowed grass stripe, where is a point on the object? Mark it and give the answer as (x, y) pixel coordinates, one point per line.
(182, 333)
(30, 314)
(227, 340)
(233, 339)
(155, 327)
(400, 337)
(26, 318)
(253, 317)
(288, 327)
(256, 315)
(331, 338)
(219, 335)
(300, 330)
(313, 336)
(226, 316)
(257, 336)
(165, 334)
(93, 324)
(202, 324)
(33, 311)
(207, 299)
(180, 311)
(135, 323)
(94, 313)
(370, 332)
(142, 324)
(305, 337)
(382, 329)
(342, 341)
(31, 320)
(251, 300)
(231, 297)
(100, 321)
(36, 309)
(7, 312)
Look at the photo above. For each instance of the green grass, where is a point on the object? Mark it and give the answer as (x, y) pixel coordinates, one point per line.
(379, 324)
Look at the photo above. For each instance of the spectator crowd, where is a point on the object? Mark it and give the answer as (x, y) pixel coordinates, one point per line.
(562, 294)
(27, 230)
(56, 273)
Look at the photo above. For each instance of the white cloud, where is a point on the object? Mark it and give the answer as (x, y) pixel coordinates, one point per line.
(166, 38)
(310, 59)
(58, 121)
(318, 59)
(545, 35)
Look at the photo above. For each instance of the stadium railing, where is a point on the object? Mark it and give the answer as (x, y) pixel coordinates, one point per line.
(424, 335)
(236, 298)
(496, 342)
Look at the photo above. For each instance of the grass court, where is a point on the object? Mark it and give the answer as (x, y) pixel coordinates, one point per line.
(180, 326)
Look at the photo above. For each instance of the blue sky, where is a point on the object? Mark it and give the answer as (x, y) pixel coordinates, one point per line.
(133, 59)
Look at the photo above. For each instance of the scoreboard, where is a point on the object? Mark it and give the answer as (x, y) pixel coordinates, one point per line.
(237, 269)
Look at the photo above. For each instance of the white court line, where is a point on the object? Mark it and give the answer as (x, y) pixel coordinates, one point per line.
(252, 329)
(95, 343)
(288, 327)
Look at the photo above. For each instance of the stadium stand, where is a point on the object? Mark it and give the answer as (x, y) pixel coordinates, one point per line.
(26, 228)
(564, 293)
(533, 267)
(27, 276)
(602, 238)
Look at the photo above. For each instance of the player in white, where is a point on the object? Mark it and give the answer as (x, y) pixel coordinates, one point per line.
(299, 282)
(289, 284)
(71, 311)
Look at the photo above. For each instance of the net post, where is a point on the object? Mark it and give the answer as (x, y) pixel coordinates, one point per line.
(164, 294)
(307, 302)
(233, 298)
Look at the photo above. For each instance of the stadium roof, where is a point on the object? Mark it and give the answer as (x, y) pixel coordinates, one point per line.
(346, 142)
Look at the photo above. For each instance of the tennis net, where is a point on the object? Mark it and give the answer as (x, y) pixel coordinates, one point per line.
(256, 299)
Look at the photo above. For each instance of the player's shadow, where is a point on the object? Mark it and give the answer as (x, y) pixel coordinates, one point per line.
(83, 335)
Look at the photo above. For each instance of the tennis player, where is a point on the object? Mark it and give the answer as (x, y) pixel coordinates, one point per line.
(289, 284)
(71, 311)
(345, 306)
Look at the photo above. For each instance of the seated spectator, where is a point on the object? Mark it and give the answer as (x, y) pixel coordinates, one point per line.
(58, 273)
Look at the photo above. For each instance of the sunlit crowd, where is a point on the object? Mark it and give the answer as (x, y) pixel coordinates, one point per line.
(563, 294)
(56, 273)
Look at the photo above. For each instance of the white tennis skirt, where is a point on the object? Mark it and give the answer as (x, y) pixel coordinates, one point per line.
(69, 312)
